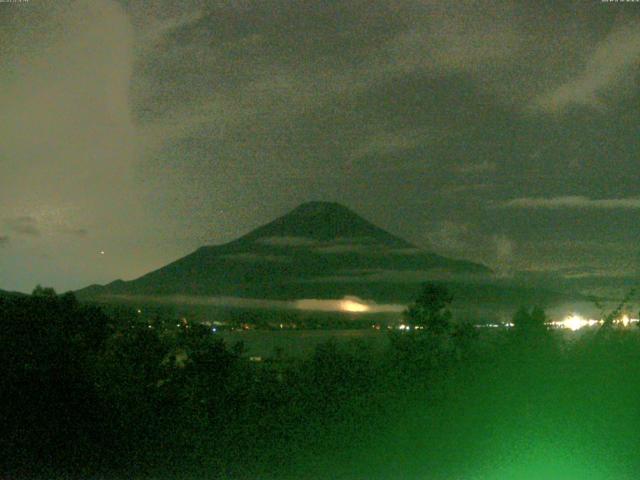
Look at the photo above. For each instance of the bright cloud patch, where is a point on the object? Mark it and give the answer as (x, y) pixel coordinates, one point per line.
(254, 257)
(613, 61)
(288, 241)
(346, 304)
(396, 276)
(344, 248)
(573, 202)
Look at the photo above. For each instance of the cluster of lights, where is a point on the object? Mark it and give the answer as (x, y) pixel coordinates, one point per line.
(406, 327)
(495, 325)
(575, 322)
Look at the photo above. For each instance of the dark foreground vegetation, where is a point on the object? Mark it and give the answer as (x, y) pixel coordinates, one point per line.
(87, 395)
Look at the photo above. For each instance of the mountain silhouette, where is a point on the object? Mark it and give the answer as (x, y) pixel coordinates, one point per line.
(5, 293)
(318, 250)
(324, 221)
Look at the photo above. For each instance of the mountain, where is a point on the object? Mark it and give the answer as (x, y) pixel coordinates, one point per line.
(4, 293)
(324, 222)
(318, 250)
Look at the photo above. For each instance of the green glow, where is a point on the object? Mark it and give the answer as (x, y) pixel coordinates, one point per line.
(549, 463)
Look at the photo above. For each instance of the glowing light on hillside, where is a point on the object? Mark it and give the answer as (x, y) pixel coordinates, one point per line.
(349, 305)
(625, 320)
(575, 322)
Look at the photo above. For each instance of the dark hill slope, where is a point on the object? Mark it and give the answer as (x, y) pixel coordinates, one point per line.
(5, 294)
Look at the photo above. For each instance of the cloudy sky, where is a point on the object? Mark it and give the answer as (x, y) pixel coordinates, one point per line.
(134, 131)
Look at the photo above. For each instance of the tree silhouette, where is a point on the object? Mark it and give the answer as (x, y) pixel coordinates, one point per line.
(530, 322)
(41, 291)
(430, 310)
(611, 317)
(533, 340)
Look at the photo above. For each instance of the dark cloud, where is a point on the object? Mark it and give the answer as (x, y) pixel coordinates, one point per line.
(168, 125)
(77, 232)
(23, 226)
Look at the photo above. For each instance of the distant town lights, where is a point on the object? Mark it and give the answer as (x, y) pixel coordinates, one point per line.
(575, 322)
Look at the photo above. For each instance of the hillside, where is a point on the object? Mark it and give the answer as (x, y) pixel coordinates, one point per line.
(4, 293)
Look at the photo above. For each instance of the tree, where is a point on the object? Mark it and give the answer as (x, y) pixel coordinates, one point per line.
(611, 317)
(41, 291)
(49, 405)
(533, 339)
(431, 309)
(530, 322)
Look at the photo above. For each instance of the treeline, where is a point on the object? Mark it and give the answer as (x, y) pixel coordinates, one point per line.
(89, 395)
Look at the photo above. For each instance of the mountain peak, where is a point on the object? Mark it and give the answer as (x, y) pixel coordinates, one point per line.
(318, 207)
(324, 221)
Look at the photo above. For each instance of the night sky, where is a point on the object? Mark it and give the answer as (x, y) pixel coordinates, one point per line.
(133, 132)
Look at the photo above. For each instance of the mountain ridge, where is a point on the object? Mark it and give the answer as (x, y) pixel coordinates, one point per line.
(6, 294)
(321, 249)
